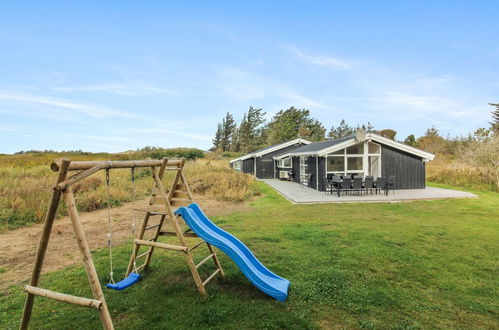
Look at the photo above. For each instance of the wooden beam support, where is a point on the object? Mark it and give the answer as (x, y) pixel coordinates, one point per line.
(85, 165)
(86, 256)
(85, 302)
(160, 245)
(44, 241)
(78, 177)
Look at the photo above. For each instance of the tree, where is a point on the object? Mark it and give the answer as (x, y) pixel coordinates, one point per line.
(228, 127)
(251, 130)
(293, 123)
(341, 131)
(432, 141)
(410, 140)
(388, 133)
(218, 137)
(495, 118)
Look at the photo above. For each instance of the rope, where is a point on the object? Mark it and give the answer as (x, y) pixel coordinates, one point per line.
(110, 227)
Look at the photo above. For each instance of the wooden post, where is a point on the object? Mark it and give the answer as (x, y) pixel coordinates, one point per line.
(88, 263)
(44, 241)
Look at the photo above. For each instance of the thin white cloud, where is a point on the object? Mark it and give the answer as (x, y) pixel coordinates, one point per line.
(331, 62)
(135, 88)
(90, 110)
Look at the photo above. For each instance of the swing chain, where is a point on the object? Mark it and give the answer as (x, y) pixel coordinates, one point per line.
(110, 229)
(133, 198)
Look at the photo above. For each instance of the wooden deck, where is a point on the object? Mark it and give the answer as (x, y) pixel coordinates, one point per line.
(298, 194)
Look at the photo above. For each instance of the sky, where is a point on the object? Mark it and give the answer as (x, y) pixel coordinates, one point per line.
(122, 75)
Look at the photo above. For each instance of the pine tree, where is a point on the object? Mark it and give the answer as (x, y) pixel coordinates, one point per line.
(292, 123)
(218, 137)
(228, 127)
(410, 140)
(341, 131)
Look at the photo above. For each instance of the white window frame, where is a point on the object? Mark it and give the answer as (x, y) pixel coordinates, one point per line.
(303, 168)
(237, 166)
(280, 163)
(365, 160)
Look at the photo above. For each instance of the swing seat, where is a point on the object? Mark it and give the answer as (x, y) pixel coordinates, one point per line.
(130, 280)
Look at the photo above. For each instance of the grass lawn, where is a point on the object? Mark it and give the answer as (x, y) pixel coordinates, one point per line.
(428, 264)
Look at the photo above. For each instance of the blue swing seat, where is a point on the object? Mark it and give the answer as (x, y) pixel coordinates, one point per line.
(131, 279)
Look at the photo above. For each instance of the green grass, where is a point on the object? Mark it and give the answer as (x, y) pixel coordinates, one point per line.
(428, 264)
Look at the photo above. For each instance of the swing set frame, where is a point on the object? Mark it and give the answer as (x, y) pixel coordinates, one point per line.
(161, 205)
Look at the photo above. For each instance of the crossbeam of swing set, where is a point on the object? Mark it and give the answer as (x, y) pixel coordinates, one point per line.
(85, 165)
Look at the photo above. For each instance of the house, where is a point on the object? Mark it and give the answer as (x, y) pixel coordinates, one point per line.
(261, 163)
(361, 154)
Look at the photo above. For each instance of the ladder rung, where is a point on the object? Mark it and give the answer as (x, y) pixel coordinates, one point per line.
(196, 246)
(180, 194)
(211, 276)
(86, 302)
(161, 245)
(204, 260)
(169, 233)
(140, 267)
(143, 254)
(152, 226)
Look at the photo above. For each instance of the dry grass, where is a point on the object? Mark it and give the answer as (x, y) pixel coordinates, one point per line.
(455, 173)
(25, 185)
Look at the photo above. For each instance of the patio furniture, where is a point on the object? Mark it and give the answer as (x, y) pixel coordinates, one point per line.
(369, 184)
(357, 184)
(380, 184)
(291, 175)
(390, 184)
(345, 185)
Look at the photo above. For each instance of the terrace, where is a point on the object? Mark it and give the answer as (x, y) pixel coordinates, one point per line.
(299, 194)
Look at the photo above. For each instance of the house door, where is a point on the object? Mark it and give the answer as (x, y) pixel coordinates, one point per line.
(304, 170)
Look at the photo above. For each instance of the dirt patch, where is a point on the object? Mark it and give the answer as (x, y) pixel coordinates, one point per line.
(18, 247)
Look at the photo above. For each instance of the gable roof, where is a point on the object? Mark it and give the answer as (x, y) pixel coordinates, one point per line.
(272, 148)
(324, 148)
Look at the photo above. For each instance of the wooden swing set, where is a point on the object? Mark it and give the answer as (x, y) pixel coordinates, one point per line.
(160, 207)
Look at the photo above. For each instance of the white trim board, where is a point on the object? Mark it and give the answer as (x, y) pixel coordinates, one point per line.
(269, 150)
(369, 137)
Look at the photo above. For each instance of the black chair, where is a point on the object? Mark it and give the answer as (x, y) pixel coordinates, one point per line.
(380, 184)
(357, 184)
(390, 184)
(346, 186)
(369, 184)
(336, 180)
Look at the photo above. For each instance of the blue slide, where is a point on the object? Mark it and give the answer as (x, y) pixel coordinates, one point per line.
(270, 283)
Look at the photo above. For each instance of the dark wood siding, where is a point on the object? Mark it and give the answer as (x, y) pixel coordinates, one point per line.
(322, 173)
(248, 165)
(296, 168)
(312, 169)
(264, 167)
(409, 170)
(265, 164)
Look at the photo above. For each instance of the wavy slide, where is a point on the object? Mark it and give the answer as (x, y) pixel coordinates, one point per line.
(270, 283)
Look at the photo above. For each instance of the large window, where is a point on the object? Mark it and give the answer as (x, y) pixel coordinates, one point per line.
(285, 162)
(354, 164)
(336, 163)
(361, 158)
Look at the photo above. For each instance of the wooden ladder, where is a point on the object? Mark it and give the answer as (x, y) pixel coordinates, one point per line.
(161, 205)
